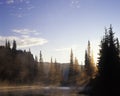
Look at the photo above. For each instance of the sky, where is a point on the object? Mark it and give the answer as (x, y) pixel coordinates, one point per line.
(56, 26)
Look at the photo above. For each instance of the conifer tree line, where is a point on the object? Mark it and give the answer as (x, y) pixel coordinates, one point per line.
(19, 67)
(16, 66)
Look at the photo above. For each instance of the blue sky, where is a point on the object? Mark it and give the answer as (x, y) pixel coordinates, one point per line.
(56, 26)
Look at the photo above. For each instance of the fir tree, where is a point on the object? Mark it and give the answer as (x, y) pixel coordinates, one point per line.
(41, 74)
(89, 62)
(76, 71)
(71, 74)
(107, 81)
(7, 44)
(14, 45)
(57, 76)
(52, 72)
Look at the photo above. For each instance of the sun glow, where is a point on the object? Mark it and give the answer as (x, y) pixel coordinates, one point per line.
(95, 50)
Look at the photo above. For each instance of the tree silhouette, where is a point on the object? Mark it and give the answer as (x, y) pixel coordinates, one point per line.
(71, 79)
(57, 74)
(74, 70)
(51, 76)
(76, 66)
(89, 62)
(16, 66)
(14, 45)
(77, 71)
(107, 82)
(7, 44)
(41, 75)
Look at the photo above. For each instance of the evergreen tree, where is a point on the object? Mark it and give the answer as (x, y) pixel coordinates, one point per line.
(76, 66)
(71, 58)
(89, 49)
(36, 58)
(41, 59)
(89, 62)
(71, 74)
(107, 81)
(36, 69)
(16, 66)
(41, 74)
(14, 45)
(7, 44)
(86, 62)
(52, 73)
(57, 73)
(76, 71)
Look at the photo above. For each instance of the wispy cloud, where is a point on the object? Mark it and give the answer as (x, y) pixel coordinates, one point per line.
(31, 41)
(25, 31)
(19, 15)
(75, 3)
(20, 8)
(23, 41)
(24, 38)
(27, 3)
(10, 1)
(16, 1)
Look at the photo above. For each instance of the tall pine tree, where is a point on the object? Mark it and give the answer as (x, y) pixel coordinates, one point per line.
(51, 76)
(71, 79)
(41, 74)
(14, 45)
(107, 82)
(89, 62)
(73, 74)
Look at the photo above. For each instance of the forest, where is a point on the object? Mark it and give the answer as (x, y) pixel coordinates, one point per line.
(18, 67)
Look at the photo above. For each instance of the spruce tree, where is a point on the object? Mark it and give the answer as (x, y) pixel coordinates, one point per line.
(76, 71)
(14, 45)
(7, 44)
(107, 81)
(41, 74)
(71, 74)
(89, 62)
(57, 73)
(51, 76)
